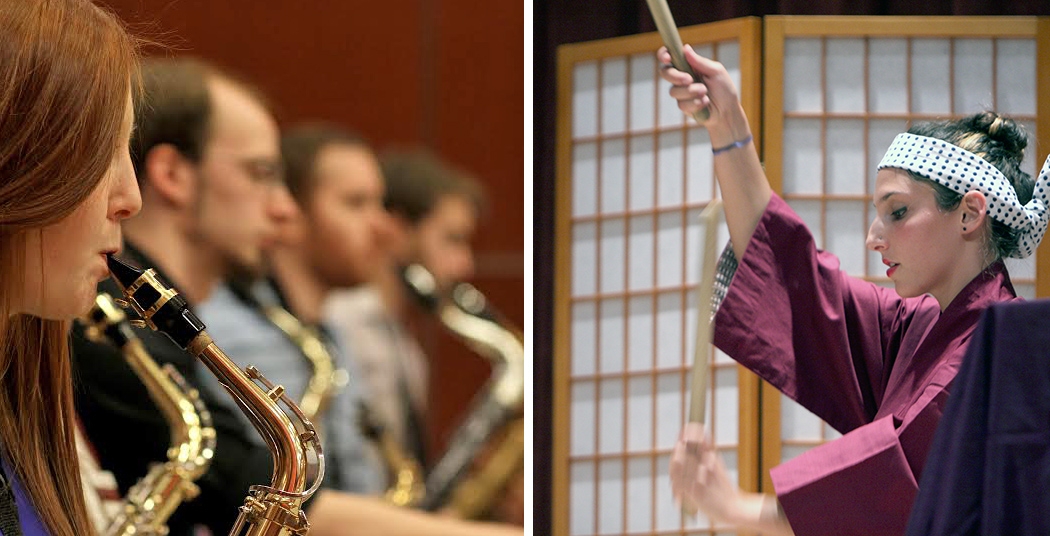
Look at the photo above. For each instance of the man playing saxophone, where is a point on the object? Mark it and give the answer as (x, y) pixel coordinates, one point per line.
(337, 240)
(206, 152)
(434, 209)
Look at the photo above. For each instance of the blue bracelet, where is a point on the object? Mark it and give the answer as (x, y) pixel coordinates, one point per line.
(734, 145)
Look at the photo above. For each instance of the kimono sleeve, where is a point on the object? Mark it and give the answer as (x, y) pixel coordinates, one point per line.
(793, 317)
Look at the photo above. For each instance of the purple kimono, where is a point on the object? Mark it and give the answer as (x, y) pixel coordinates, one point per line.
(875, 366)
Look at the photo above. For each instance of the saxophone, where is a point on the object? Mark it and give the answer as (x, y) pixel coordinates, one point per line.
(499, 407)
(325, 383)
(153, 499)
(269, 510)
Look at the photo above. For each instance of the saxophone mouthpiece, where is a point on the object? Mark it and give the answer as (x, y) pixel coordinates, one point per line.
(124, 273)
(421, 284)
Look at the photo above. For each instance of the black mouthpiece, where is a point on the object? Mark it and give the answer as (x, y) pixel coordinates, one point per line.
(124, 273)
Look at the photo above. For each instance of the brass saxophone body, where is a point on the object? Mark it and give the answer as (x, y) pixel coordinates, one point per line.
(269, 510)
(154, 498)
(499, 406)
(326, 381)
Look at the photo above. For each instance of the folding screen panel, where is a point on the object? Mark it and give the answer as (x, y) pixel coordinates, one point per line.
(837, 90)
(633, 176)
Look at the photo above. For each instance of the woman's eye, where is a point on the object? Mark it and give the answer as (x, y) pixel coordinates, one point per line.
(899, 213)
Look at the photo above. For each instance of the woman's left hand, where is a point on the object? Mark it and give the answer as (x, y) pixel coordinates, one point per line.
(699, 479)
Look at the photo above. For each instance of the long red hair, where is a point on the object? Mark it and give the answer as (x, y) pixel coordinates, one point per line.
(67, 68)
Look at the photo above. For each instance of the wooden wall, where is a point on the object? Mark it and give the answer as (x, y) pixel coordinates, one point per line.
(442, 73)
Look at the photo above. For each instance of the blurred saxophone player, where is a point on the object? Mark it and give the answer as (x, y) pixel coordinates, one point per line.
(434, 209)
(338, 239)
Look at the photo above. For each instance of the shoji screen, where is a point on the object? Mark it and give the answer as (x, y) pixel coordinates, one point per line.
(837, 90)
(633, 176)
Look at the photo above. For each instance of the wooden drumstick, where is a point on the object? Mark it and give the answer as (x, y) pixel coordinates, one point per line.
(669, 32)
(704, 290)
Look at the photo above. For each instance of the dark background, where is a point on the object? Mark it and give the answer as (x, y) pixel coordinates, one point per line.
(558, 22)
(445, 74)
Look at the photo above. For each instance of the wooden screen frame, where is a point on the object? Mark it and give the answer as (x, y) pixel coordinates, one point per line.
(748, 32)
(778, 28)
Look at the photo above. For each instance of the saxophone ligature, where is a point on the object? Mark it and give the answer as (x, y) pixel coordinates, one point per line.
(497, 410)
(154, 498)
(269, 510)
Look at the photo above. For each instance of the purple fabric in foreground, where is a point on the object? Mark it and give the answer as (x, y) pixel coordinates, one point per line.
(27, 516)
(989, 468)
(875, 366)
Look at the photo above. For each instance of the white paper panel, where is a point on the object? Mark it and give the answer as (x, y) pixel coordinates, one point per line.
(726, 395)
(1021, 268)
(639, 495)
(1035, 154)
(846, 232)
(585, 99)
(584, 258)
(669, 245)
(581, 498)
(610, 496)
(880, 135)
(612, 255)
(585, 179)
(581, 442)
(667, 112)
(670, 182)
(641, 181)
(930, 83)
(668, 515)
(699, 167)
(888, 76)
(809, 211)
(845, 156)
(1015, 71)
(640, 413)
(875, 266)
(642, 91)
(694, 235)
(1025, 290)
(830, 433)
(614, 176)
(611, 342)
(640, 326)
(721, 357)
(669, 330)
(789, 452)
(611, 416)
(845, 82)
(973, 75)
(802, 156)
(729, 55)
(796, 422)
(584, 338)
(669, 402)
(802, 75)
(640, 244)
(614, 95)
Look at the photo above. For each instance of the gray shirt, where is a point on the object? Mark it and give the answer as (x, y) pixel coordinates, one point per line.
(250, 339)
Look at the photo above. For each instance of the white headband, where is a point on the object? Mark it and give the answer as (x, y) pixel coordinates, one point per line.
(963, 171)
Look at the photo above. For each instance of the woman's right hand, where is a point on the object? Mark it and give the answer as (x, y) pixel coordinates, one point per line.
(716, 92)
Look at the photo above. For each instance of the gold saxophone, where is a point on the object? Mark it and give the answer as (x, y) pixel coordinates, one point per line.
(154, 498)
(325, 383)
(498, 408)
(273, 510)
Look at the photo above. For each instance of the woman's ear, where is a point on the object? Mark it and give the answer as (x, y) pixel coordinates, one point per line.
(974, 209)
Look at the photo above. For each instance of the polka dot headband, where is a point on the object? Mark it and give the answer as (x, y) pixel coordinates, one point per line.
(963, 171)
